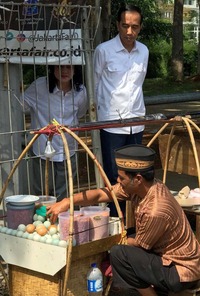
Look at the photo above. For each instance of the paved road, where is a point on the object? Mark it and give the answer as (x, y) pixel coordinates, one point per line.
(180, 97)
(179, 104)
(170, 104)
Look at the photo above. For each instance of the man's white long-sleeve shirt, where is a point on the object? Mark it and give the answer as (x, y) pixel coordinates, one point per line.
(119, 76)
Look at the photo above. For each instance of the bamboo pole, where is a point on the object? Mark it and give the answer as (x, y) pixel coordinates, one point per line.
(5, 187)
(193, 124)
(71, 221)
(16, 165)
(168, 152)
(105, 178)
(106, 181)
(47, 176)
(157, 134)
(186, 121)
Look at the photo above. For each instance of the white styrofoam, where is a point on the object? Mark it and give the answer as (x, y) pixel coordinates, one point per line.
(114, 226)
(40, 257)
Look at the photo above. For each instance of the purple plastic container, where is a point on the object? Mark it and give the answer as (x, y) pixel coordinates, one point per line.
(17, 215)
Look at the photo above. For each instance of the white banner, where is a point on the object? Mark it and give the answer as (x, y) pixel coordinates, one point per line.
(40, 32)
(54, 47)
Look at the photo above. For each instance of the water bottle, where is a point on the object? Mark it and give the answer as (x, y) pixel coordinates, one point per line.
(95, 280)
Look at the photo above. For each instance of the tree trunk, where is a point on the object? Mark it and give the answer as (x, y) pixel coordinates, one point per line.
(198, 60)
(106, 19)
(103, 30)
(177, 41)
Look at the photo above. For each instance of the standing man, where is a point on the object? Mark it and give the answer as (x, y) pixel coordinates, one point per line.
(120, 66)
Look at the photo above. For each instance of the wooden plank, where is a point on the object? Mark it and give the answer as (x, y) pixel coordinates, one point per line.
(95, 247)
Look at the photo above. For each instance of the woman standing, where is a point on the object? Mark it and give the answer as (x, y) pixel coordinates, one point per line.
(61, 96)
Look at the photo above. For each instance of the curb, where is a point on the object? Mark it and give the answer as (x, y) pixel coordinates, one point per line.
(173, 98)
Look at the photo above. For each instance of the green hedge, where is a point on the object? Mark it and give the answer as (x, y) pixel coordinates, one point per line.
(160, 59)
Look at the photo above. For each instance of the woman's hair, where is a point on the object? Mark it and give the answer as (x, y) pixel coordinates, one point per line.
(147, 175)
(76, 81)
(128, 7)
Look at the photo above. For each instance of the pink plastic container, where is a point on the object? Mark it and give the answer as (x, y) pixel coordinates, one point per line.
(81, 227)
(99, 221)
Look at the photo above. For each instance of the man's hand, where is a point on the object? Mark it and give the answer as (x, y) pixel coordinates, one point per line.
(132, 242)
(57, 208)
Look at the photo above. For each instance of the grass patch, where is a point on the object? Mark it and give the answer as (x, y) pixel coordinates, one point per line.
(158, 86)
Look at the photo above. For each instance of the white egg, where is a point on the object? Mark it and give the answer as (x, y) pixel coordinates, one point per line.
(40, 218)
(35, 217)
(30, 236)
(25, 234)
(55, 236)
(4, 229)
(1, 227)
(47, 235)
(52, 230)
(47, 224)
(63, 243)
(9, 231)
(14, 232)
(19, 233)
(55, 242)
(21, 227)
(43, 239)
(48, 241)
(36, 223)
(36, 237)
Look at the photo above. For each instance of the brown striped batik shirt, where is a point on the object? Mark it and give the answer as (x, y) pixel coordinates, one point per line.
(162, 227)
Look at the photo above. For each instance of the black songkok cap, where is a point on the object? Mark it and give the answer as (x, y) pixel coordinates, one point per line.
(135, 158)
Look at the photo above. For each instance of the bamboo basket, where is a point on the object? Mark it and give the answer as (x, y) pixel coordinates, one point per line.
(192, 147)
(71, 280)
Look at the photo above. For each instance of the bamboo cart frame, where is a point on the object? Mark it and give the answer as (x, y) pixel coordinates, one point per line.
(50, 130)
